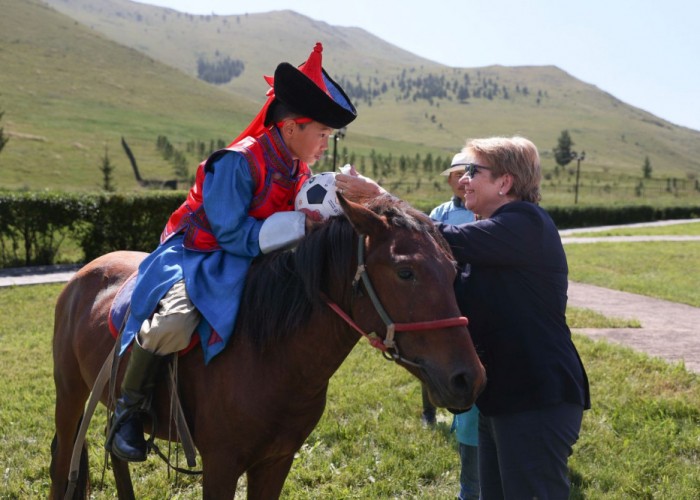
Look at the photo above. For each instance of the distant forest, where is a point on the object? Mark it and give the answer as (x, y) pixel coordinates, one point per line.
(432, 88)
(220, 71)
(428, 87)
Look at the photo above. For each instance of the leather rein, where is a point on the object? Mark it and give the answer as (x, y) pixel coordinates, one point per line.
(388, 346)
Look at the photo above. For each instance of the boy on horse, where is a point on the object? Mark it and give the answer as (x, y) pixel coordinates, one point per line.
(240, 205)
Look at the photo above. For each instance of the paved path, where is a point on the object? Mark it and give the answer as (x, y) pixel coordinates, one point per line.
(669, 330)
(37, 275)
(625, 239)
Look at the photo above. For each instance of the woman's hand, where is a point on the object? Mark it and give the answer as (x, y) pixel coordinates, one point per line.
(356, 187)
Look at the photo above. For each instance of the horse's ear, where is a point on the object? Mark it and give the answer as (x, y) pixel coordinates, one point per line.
(363, 220)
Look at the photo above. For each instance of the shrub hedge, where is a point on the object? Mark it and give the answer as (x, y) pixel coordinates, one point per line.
(590, 216)
(34, 224)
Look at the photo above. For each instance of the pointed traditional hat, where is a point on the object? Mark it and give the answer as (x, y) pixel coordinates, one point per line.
(309, 91)
(306, 90)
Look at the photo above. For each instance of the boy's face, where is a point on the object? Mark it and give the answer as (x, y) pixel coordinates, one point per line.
(307, 142)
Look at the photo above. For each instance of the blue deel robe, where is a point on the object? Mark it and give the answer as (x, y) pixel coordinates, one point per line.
(214, 280)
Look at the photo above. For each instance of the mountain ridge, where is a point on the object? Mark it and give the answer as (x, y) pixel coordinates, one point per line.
(406, 104)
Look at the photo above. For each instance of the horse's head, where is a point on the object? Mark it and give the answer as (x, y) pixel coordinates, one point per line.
(407, 292)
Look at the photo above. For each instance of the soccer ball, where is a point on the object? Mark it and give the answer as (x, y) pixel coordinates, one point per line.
(317, 196)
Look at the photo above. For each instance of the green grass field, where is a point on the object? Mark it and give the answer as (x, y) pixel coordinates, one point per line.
(70, 94)
(640, 439)
(667, 270)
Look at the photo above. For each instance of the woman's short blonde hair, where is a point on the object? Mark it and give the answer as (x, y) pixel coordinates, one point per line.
(516, 156)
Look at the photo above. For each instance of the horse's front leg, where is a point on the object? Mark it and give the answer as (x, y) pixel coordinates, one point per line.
(220, 474)
(122, 478)
(266, 479)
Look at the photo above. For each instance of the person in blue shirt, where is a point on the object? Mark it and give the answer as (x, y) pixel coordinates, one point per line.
(466, 427)
(453, 211)
(465, 424)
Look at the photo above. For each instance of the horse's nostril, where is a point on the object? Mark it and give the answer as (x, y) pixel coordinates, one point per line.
(460, 384)
(468, 384)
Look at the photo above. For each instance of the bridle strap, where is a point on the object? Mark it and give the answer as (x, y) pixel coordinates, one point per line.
(362, 272)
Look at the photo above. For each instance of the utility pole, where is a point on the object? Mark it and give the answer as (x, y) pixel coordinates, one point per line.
(579, 159)
(339, 134)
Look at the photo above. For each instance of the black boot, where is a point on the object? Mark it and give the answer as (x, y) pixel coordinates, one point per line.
(125, 438)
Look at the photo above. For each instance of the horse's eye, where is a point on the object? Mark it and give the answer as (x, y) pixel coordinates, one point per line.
(405, 274)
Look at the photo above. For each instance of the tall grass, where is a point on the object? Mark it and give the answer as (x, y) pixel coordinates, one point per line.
(640, 440)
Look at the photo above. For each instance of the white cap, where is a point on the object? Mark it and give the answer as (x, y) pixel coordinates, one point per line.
(459, 162)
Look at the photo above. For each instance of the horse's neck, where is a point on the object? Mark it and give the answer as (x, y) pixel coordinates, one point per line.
(325, 348)
(309, 358)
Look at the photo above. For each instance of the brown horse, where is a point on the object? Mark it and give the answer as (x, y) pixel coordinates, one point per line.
(251, 408)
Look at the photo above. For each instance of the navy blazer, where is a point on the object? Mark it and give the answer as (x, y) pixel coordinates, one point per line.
(513, 288)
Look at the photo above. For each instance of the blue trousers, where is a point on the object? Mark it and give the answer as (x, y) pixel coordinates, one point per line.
(524, 455)
(469, 473)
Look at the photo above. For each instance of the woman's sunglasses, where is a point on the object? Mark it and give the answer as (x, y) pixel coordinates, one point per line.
(471, 169)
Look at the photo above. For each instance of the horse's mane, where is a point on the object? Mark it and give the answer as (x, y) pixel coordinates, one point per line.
(283, 287)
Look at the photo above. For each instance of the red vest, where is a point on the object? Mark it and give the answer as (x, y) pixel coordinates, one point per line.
(276, 186)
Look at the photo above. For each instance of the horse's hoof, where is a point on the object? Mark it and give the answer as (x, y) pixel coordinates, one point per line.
(428, 420)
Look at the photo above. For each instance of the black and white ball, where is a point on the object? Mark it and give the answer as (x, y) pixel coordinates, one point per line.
(318, 195)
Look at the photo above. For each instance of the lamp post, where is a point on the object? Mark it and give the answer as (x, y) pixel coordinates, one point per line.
(339, 134)
(579, 159)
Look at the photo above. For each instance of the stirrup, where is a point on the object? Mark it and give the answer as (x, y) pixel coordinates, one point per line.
(117, 422)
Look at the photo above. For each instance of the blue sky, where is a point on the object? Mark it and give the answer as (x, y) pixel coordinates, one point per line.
(644, 52)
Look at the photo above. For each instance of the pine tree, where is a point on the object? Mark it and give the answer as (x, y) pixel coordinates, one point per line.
(646, 168)
(107, 169)
(562, 152)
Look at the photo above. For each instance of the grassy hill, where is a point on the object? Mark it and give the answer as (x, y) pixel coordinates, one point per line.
(613, 134)
(68, 93)
(261, 41)
(69, 89)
